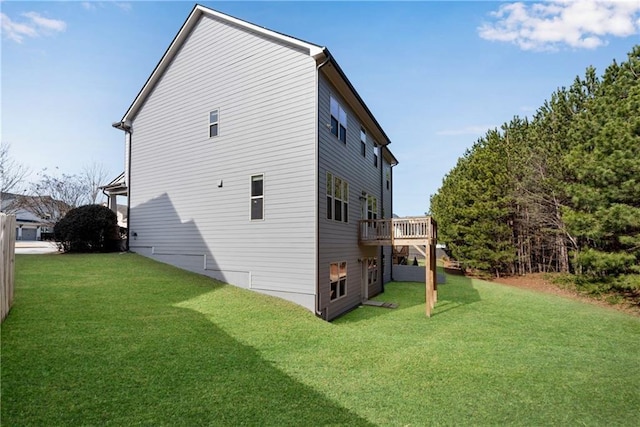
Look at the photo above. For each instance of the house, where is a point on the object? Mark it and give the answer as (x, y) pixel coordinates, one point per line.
(251, 158)
(117, 187)
(28, 225)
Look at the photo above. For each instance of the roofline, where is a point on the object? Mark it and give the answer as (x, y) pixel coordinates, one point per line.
(357, 95)
(198, 10)
(318, 53)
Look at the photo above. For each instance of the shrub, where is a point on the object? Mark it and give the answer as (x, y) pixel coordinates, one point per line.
(90, 228)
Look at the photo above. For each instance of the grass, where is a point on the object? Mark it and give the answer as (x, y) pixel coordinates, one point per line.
(121, 340)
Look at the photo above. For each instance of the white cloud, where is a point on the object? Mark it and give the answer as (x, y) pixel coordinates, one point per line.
(581, 24)
(94, 5)
(467, 130)
(124, 6)
(89, 5)
(35, 26)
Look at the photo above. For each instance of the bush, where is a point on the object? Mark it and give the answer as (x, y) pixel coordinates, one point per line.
(90, 228)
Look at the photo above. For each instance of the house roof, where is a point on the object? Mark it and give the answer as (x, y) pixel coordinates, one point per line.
(320, 54)
(118, 186)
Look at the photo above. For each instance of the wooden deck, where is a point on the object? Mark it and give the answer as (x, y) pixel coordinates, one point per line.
(419, 232)
(397, 231)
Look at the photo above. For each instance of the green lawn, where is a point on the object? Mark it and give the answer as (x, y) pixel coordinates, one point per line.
(118, 339)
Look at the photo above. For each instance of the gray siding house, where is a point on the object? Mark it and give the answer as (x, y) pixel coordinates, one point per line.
(252, 159)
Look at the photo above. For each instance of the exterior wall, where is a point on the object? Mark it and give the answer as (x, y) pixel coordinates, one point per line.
(190, 194)
(338, 241)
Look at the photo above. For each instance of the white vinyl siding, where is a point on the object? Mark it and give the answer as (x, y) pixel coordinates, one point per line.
(179, 211)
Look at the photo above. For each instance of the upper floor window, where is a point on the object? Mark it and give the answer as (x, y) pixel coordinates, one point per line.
(376, 152)
(337, 198)
(338, 121)
(363, 142)
(213, 123)
(257, 197)
(388, 178)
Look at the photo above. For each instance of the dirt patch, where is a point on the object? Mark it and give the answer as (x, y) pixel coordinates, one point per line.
(538, 282)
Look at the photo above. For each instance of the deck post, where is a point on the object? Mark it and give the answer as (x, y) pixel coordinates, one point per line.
(428, 279)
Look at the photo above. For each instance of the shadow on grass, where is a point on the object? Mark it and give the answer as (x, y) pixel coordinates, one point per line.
(456, 292)
(77, 350)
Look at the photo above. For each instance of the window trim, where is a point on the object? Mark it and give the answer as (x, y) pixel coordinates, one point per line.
(252, 197)
(215, 123)
(337, 282)
(341, 127)
(376, 152)
(372, 207)
(331, 198)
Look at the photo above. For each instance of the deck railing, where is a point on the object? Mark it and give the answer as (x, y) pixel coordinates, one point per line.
(389, 230)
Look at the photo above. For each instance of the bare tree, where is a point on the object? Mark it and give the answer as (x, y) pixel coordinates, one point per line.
(51, 197)
(12, 173)
(93, 176)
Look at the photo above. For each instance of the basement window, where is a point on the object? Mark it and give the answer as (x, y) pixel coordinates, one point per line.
(337, 280)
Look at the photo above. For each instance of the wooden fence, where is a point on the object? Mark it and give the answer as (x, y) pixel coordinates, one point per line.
(7, 246)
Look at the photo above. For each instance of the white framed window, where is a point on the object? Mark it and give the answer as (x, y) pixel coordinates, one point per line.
(337, 280)
(338, 120)
(337, 198)
(214, 121)
(376, 152)
(388, 177)
(257, 197)
(363, 142)
(372, 207)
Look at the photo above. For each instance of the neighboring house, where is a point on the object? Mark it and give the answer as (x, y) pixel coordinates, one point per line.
(28, 225)
(251, 158)
(112, 190)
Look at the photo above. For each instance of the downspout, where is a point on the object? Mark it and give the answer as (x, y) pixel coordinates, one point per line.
(126, 127)
(391, 165)
(319, 312)
(129, 132)
(382, 149)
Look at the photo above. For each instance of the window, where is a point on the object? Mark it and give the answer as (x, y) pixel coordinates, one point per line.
(376, 151)
(363, 142)
(257, 197)
(338, 280)
(372, 271)
(372, 207)
(213, 123)
(388, 177)
(338, 121)
(337, 198)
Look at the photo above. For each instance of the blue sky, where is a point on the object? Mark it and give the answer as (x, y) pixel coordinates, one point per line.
(437, 75)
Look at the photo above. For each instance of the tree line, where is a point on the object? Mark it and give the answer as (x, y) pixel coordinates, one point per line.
(559, 192)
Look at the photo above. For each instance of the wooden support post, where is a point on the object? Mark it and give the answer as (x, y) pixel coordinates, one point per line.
(434, 274)
(428, 280)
